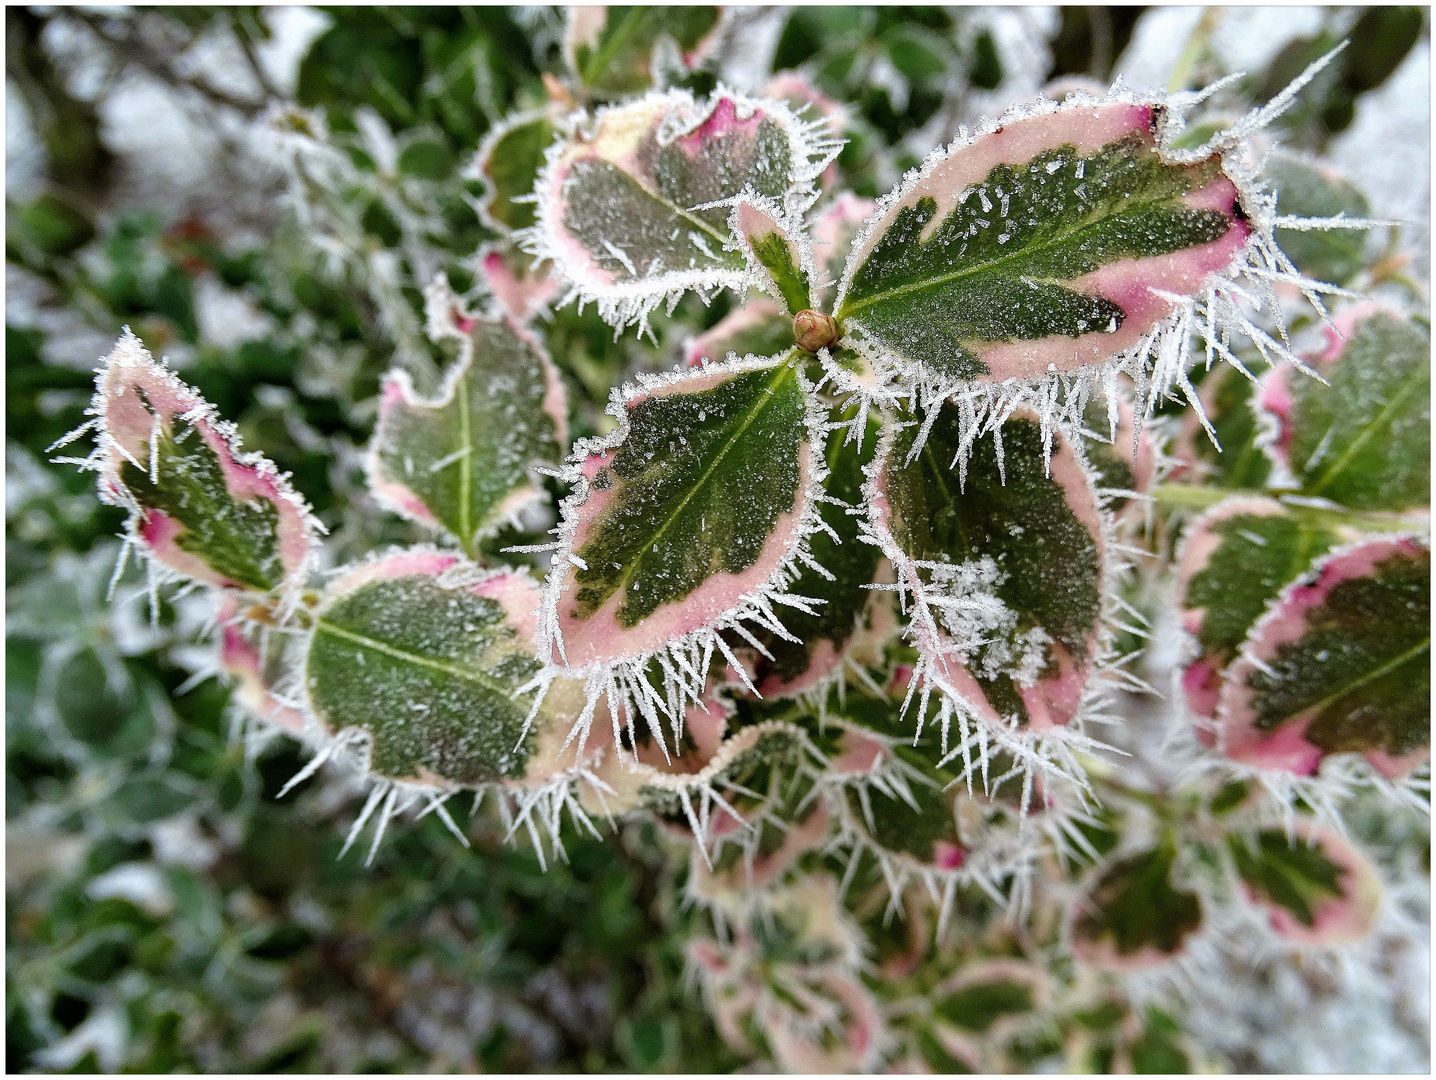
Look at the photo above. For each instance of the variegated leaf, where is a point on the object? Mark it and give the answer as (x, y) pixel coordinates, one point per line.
(1339, 663)
(463, 460)
(1134, 916)
(1365, 440)
(613, 50)
(694, 507)
(1236, 558)
(199, 505)
(1009, 558)
(426, 655)
(618, 199)
(1317, 888)
(1038, 246)
(807, 101)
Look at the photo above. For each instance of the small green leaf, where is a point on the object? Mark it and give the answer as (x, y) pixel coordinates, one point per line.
(464, 459)
(509, 160)
(1134, 915)
(1365, 440)
(1034, 246)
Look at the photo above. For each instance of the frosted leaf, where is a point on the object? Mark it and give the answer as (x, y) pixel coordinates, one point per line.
(1339, 663)
(1036, 246)
(199, 506)
(619, 196)
(1027, 264)
(1364, 440)
(463, 460)
(428, 660)
(1004, 567)
(1134, 916)
(693, 518)
(1235, 559)
(1317, 888)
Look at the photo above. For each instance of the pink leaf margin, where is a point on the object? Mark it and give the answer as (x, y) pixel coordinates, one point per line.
(1286, 749)
(1142, 287)
(123, 430)
(614, 134)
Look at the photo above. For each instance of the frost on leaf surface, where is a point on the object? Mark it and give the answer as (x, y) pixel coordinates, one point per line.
(1237, 557)
(695, 503)
(1037, 247)
(1135, 916)
(1339, 663)
(1238, 458)
(463, 460)
(428, 656)
(1316, 887)
(618, 199)
(1005, 565)
(1364, 440)
(199, 505)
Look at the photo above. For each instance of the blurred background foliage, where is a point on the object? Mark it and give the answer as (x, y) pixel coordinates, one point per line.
(165, 911)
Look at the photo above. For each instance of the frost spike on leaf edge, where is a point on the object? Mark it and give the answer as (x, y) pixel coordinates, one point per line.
(247, 476)
(448, 319)
(622, 677)
(1159, 360)
(613, 136)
